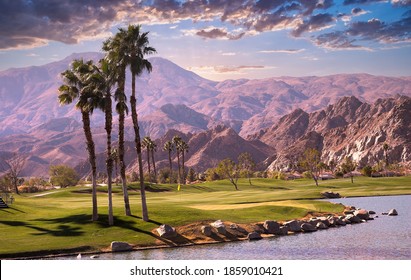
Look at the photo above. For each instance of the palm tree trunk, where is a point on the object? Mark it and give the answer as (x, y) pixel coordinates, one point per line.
(148, 164)
(137, 141)
(171, 166)
(154, 166)
(179, 168)
(122, 163)
(183, 167)
(92, 160)
(109, 160)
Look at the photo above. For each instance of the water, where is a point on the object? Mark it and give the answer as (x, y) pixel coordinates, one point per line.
(385, 238)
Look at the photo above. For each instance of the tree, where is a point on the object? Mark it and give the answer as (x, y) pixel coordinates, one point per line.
(348, 166)
(75, 88)
(176, 142)
(146, 144)
(15, 165)
(230, 170)
(183, 147)
(386, 147)
(114, 157)
(310, 162)
(129, 48)
(63, 176)
(137, 46)
(246, 164)
(191, 175)
(169, 147)
(101, 81)
(153, 148)
(115, 56)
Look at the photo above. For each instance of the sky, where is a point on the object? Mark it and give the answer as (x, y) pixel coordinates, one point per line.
(218, 39)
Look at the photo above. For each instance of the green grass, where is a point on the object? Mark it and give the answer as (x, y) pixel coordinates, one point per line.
(60, 221)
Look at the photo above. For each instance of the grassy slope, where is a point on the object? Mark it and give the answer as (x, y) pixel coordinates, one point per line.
(61, 220)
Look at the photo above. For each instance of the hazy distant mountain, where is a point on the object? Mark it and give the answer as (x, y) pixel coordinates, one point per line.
(170, 97)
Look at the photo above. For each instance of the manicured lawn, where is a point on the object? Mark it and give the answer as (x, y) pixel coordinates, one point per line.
(60, 221)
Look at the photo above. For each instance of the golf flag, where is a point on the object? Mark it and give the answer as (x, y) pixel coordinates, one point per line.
(179, 186)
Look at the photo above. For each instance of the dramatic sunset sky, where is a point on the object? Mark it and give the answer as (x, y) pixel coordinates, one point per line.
(220, 39)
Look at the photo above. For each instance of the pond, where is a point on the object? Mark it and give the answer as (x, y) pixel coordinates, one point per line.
(384, 238)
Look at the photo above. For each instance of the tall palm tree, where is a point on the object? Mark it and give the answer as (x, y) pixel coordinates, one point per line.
(177, 140)
(102, 81)
(146, 144)
(137, 46)
(183, 147)
(169, 147)
(115, 54)
(75, 88)
(153, 149)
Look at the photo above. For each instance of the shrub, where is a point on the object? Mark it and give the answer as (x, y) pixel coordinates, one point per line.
(366, 171)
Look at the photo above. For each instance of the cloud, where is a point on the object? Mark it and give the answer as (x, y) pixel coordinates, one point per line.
(228, 54)
(218, 33)
(288, 51)
(316, 22)
(231, 69)
(29, 24)
(355, 2)
(223, 69)
(401, 2)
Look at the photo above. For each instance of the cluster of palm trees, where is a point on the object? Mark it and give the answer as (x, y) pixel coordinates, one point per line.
(151, 147)
(94, 87)
(178, 145)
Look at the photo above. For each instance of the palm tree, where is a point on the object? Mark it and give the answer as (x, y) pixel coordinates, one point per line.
(137, 46)
(146, 144)
(169, 147)
(114, 156)
(153, 149)
(115, 54)
(183, 147)
(75, 88)
(177, 140)
(102, 81)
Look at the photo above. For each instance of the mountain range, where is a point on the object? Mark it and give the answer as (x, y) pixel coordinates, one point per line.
(266, 117)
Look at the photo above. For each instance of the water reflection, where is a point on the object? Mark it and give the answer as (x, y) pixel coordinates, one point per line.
(385, 237)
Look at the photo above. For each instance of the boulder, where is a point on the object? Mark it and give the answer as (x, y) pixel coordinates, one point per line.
(314, 221)
(324, 220)
(307, 227)
(271, 227)
(346, 212)
(293, 225)
(353, 219)
(372, 212)
(283, 231)
(362, 214)
(219, 226)
(331, 195)
(392, 212)
(166, 231)
(233, 226)
(340, 221)
(206, 230)
(332, 221)
(118, 246)
(321, 225)
(254, 236)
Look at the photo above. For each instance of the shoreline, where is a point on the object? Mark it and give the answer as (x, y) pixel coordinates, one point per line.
(192, 230)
